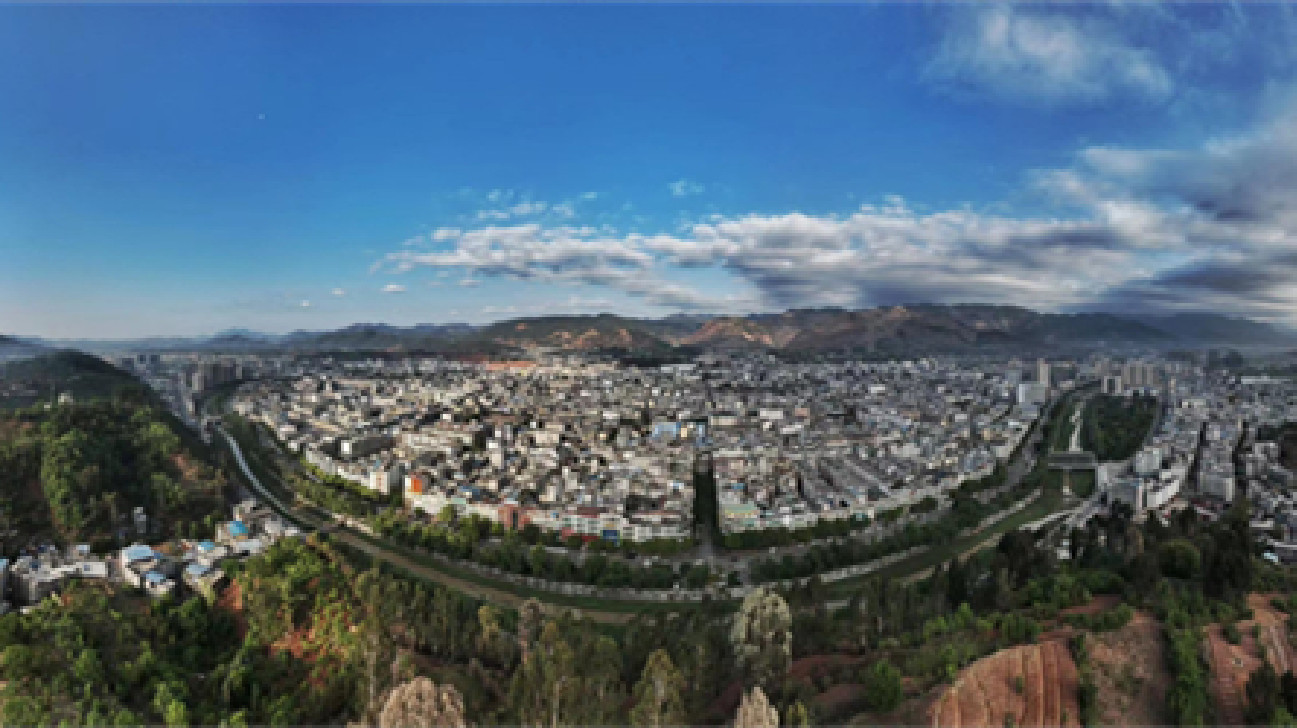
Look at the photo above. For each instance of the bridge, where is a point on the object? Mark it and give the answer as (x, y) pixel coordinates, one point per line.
(1073, 460)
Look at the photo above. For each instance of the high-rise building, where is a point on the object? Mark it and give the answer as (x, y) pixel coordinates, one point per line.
(1134, 375)
(1042, 372)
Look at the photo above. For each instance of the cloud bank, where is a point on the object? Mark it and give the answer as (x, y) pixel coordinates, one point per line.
(1154, 230)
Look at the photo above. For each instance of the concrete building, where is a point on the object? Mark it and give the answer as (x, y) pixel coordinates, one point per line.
(1148, 461)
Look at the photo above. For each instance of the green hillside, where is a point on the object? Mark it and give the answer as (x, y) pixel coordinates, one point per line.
(25, 382)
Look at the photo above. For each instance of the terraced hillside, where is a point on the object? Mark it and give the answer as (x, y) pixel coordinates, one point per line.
(1028, 685)
(1233, 664)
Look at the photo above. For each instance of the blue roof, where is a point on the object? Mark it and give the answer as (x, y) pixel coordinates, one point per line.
(138, 552)
(238, 529)
(206, 546)
(197, 569)
(154, 577)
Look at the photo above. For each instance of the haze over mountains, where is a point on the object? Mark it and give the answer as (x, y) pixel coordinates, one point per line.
(900, 330)
(14, 347)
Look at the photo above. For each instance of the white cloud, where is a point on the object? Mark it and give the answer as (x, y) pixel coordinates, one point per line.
(338, 292)
(1036, 53)
(393, 288)
(685, 188)
(469, 282)
(528, 207)
(588, 196)
(305, 304)
(1144, 229)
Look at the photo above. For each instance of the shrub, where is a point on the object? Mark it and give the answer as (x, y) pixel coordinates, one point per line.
(1087, 699)
(1232, 634)
(1180, 559)
(883, 687)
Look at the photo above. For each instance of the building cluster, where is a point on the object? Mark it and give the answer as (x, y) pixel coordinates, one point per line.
(1270, 487)
(596, 450)
(798, 445)
(158, 570)
(1192, 456)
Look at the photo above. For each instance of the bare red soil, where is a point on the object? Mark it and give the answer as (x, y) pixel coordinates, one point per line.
(1232, 665)
(1030, 685)
(1130, 673)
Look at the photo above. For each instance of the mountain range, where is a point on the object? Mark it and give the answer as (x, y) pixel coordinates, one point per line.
(12, 347)
(892, 330)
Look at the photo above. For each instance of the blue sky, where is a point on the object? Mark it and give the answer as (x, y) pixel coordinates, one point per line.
(181, 170)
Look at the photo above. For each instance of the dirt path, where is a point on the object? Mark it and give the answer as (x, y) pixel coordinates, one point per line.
(1130, 673)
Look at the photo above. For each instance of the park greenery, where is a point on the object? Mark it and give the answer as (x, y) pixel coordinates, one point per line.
(1114, 428)
(1061, 427)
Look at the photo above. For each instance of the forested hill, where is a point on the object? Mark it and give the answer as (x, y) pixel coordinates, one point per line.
(310, 633)
(73, 473)
(41, 378)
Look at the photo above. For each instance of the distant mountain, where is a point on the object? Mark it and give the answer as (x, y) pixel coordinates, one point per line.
(13, 347)
(913, 329)
(1214, 328)
(890, 330)
(574, 333)
(378, 337)
(739, 332)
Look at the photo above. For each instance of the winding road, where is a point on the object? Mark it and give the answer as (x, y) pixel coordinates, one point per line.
(343, 535)
(1016, 470)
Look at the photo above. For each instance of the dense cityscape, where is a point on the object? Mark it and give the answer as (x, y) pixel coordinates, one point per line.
(435, 365)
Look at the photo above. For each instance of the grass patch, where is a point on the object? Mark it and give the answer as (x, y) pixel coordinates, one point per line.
(1082, 483)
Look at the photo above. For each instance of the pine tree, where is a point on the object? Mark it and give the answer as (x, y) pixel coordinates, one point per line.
(762, 637)
(755, 711)
(421, 703)
(658, 694)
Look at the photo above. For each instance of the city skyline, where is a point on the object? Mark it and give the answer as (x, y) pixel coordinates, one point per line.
(185, 170)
